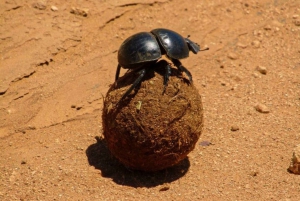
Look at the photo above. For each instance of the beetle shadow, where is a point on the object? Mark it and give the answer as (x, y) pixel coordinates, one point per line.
(100, 157)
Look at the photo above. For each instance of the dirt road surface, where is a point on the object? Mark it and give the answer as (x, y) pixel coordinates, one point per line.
(59, 57)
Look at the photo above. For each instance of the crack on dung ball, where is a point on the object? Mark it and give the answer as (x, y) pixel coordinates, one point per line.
(182, 112)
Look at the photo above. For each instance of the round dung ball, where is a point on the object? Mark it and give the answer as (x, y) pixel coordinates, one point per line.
(150, 130)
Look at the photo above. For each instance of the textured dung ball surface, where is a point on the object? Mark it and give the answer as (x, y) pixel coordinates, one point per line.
(149, 130)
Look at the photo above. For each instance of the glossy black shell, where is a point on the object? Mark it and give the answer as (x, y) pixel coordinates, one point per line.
(146, 47)
(174, 44)
(138, 48)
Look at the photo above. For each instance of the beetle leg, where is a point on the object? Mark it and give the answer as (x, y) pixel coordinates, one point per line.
(135, 83)
(180, 67)
(117, 72)
(166, 76)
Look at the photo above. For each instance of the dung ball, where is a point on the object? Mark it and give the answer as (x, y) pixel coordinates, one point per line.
(150, 130)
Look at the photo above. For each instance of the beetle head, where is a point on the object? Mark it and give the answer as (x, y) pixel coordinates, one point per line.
(194, 47)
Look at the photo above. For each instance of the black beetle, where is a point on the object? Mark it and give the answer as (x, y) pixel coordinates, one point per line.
(144, 49)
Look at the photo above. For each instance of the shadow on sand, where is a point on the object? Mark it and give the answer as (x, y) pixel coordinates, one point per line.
(100, 157)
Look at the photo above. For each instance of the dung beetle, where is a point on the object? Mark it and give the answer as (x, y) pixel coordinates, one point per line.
(143, 49)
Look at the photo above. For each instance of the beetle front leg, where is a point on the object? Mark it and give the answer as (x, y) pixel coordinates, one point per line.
(135, 83)
(167, 73)
(117, 72)
(167, 76)
(180, 67)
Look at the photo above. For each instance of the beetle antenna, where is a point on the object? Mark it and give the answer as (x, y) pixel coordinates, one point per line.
(198, 44)
(204, 49)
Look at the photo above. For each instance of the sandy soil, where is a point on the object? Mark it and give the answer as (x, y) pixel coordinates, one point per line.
(56, 62)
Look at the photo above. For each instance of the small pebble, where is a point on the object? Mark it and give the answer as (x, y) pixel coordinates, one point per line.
(79, 11)
(295, 16)
(234, 128)
(205, 143)
(254, 173)
(256, 75)
(262, 69)
(22, 130)
(31, 127)
(295, 161)
(223, 83)
(241, 45)
(257, 33)
(255, 44)
(267, 28)
(54, 8)
(40, 5)
(232, 56)
(262, 108)
(297, 22)
(238, 78)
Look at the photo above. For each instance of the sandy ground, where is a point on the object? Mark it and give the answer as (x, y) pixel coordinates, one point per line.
(56, 62)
